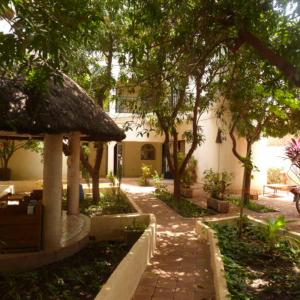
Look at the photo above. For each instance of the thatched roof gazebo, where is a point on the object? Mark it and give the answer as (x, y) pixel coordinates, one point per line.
(53, 108)
(51, 111)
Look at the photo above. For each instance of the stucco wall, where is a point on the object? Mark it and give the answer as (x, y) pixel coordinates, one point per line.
(219, 157)
(28, 165)
(132, 158)
(268, 156)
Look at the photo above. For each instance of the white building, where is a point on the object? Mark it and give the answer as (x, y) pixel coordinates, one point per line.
(137, 150)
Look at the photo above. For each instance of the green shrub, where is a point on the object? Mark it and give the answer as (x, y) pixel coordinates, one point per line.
(273, 233)
(111, 177)
(216, 183)
(253, 205)
(190, 173)
(276, 175)
(110, 203)
(146, 175)
(77, 277)
(157, 181)
(247, 260)
(183, 206)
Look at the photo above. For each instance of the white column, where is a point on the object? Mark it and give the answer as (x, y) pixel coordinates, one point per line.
(74, 174)
(110, 156)
(52, 190)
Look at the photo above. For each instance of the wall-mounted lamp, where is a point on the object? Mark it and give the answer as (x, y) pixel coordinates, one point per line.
(220, 137)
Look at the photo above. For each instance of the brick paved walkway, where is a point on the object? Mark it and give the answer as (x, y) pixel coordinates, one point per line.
(180, 268)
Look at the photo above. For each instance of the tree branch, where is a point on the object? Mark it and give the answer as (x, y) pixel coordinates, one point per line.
(292, 73)
(234, 143)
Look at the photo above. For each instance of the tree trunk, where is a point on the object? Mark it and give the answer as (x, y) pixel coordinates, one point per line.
(96, 172)
(5, 164)
(247, 174)
(176, 181)
(176, 191)
(247, 185)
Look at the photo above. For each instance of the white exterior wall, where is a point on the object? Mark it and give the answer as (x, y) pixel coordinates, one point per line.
(28, 165)
(270, 156)
(219, 157)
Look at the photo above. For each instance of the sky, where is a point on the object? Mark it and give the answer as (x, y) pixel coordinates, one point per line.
(4, 26)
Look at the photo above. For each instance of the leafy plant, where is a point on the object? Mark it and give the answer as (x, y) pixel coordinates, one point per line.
(216, 183)
(77, 277)
(157, 181)
(292, 152)
(183, 207)
(111, 177)
(273, 233)
(189, 176)
(146, 175)
(253, 205)
(247, 262)
(110, 203)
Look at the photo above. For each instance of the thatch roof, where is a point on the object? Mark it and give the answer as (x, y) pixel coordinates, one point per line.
(61, 107)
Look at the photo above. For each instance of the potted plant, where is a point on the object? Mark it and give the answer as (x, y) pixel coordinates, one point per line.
(217, 184)
(189, 178)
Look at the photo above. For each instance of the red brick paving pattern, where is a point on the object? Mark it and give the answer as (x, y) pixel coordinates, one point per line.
(180, 268)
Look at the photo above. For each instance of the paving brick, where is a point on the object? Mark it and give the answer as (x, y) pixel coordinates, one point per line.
(177, 263)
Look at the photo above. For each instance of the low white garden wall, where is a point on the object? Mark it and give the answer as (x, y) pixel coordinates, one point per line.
(220, 284)
(124, 280)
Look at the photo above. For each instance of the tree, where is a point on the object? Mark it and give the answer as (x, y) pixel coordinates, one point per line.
(47, 36)
(271, 28)
(174, 67)
(92, 66)
(260, 105)
(175, 40)
(7, 150)
(42, 32)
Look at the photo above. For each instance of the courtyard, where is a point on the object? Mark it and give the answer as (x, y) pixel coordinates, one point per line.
(149, 150)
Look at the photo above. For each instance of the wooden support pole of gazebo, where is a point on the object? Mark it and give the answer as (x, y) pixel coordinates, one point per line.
(52, 190)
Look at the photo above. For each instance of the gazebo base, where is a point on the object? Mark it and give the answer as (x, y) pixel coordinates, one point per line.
(75, 236)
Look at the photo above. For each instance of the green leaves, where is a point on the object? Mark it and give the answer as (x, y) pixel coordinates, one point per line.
(274, 233)
(216, 183)
(77, 277)
(42, 31)
(252, 272)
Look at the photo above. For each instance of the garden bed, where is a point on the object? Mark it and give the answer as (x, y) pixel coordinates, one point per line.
(110, 203)
(254, 206)
(253, 269)
(184, 207)
(77, 277)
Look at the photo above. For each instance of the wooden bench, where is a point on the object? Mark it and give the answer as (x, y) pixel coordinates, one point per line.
(277, 187)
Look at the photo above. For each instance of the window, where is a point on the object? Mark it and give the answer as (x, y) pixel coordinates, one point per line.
(148, 152)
